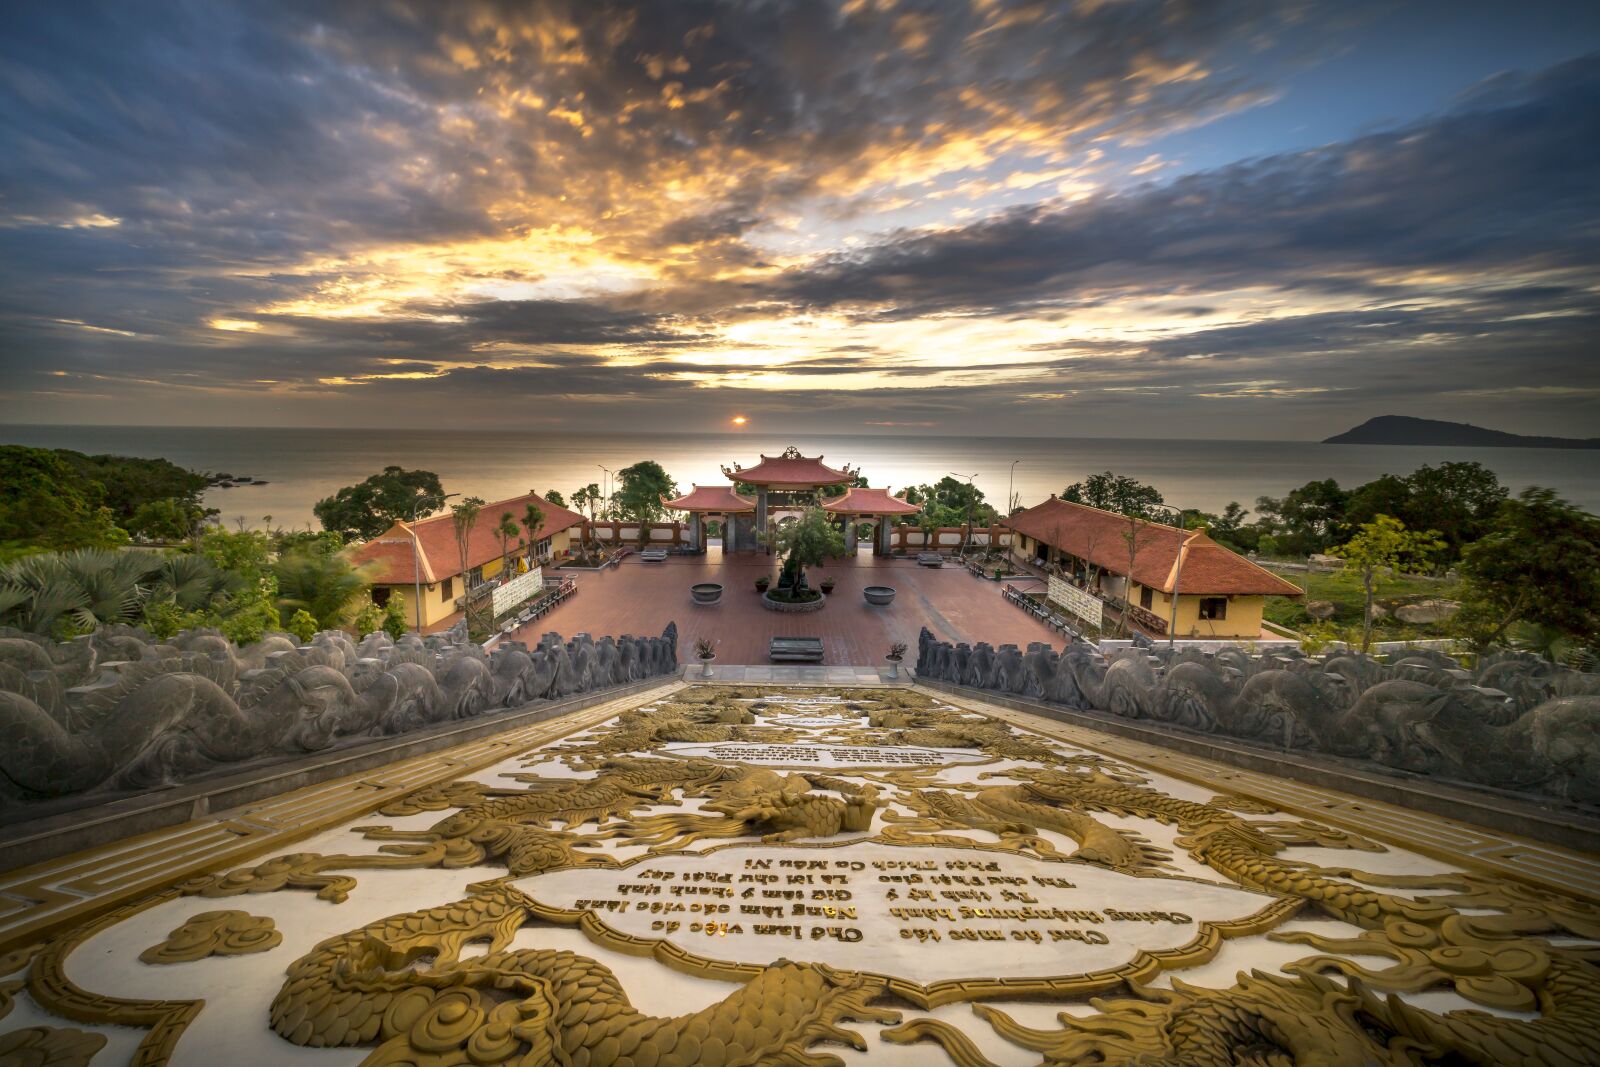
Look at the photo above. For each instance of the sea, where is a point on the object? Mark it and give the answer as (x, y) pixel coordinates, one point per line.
(301, 466)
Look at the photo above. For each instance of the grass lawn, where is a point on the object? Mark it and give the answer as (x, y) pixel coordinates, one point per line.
(1345, 592)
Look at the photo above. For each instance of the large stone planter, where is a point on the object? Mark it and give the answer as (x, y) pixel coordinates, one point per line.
(793, 609)
(878, 594)
(706, 592)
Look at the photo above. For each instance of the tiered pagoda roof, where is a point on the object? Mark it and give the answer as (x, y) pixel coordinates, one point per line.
(720, 499)
(790, 471)
(858, 501)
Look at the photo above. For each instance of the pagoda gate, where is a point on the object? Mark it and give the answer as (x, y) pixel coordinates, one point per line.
(737, 515)
(875, 504)
(787, 481)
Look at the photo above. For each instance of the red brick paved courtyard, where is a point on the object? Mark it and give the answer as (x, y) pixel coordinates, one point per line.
(641, 598)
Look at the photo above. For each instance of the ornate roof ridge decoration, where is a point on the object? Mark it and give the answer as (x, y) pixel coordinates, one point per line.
(791, 468)
(859, 500)
(710, 498)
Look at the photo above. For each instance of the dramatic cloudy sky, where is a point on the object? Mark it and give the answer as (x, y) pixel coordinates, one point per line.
(1109, 217)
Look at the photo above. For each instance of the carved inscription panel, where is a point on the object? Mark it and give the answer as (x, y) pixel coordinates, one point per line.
(926, 914)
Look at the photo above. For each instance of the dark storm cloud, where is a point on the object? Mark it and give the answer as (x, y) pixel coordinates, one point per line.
(165, 165)
(1512, 184)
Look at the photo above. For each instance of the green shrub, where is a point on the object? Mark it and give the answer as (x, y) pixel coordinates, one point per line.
(394, 617)
(369, 619)
(303, 625)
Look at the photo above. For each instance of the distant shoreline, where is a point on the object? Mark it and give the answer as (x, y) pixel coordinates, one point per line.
(1406, 431)
(763, 438)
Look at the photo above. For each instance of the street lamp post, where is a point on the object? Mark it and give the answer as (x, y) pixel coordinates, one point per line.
(416, 555)
(1011, 480)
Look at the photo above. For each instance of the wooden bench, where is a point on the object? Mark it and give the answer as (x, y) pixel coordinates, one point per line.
(795, 650)
(653, 555)
(930, 559)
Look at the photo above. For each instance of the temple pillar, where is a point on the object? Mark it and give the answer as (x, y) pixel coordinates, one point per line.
(761, 512)
(695, 529)
(850, 535)
(881, 537)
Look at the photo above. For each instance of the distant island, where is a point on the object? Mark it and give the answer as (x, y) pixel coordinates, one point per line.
(1405, 430)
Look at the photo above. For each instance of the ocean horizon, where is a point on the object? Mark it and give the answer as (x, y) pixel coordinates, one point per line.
(303, 465)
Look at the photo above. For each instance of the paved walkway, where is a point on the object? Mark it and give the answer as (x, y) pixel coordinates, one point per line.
(641, 598)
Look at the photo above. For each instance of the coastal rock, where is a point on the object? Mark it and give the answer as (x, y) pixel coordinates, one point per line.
(1321, 609)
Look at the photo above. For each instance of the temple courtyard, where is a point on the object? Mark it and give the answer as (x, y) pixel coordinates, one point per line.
(641, 598)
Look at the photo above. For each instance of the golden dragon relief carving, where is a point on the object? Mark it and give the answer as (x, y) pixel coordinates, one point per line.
(404, 987)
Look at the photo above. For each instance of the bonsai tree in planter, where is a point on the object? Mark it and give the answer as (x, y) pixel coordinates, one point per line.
(806, 542)
(705, 650)
(897, 652)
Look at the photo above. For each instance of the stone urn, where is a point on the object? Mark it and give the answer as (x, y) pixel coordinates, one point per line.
(706, 592)
(705, 666)
(878, 594)
(894, 665)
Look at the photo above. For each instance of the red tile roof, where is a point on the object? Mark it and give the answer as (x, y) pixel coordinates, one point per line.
(390, 553)
(857, 501)
(718, 498)
(1101, 538)
(789, 469)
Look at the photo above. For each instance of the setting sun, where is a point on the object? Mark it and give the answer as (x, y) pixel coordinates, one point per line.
(739, 420)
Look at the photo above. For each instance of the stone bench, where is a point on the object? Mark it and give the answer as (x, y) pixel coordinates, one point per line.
(930, 559)
(795, 650)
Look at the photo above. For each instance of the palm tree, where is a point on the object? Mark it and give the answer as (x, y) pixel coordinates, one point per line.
(194, 583)
(586, 498)
(325, 586)
(507, 529)
(89, 587)
(463, 517)
(532, 519)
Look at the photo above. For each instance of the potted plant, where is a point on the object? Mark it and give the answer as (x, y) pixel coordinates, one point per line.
(897, 652)
(705, 650)
(826, 585)
(762, 583)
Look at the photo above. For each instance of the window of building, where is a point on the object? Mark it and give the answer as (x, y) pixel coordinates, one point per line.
(1147, 598)
(1214, 607)
(447, 589)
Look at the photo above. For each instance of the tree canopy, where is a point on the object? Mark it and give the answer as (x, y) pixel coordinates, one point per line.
(1384, 544)
(1538, 563)
(363, 511)
(1115, 492)
(640, 489)
(60, 499)
(806, 542)
(951, 501)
